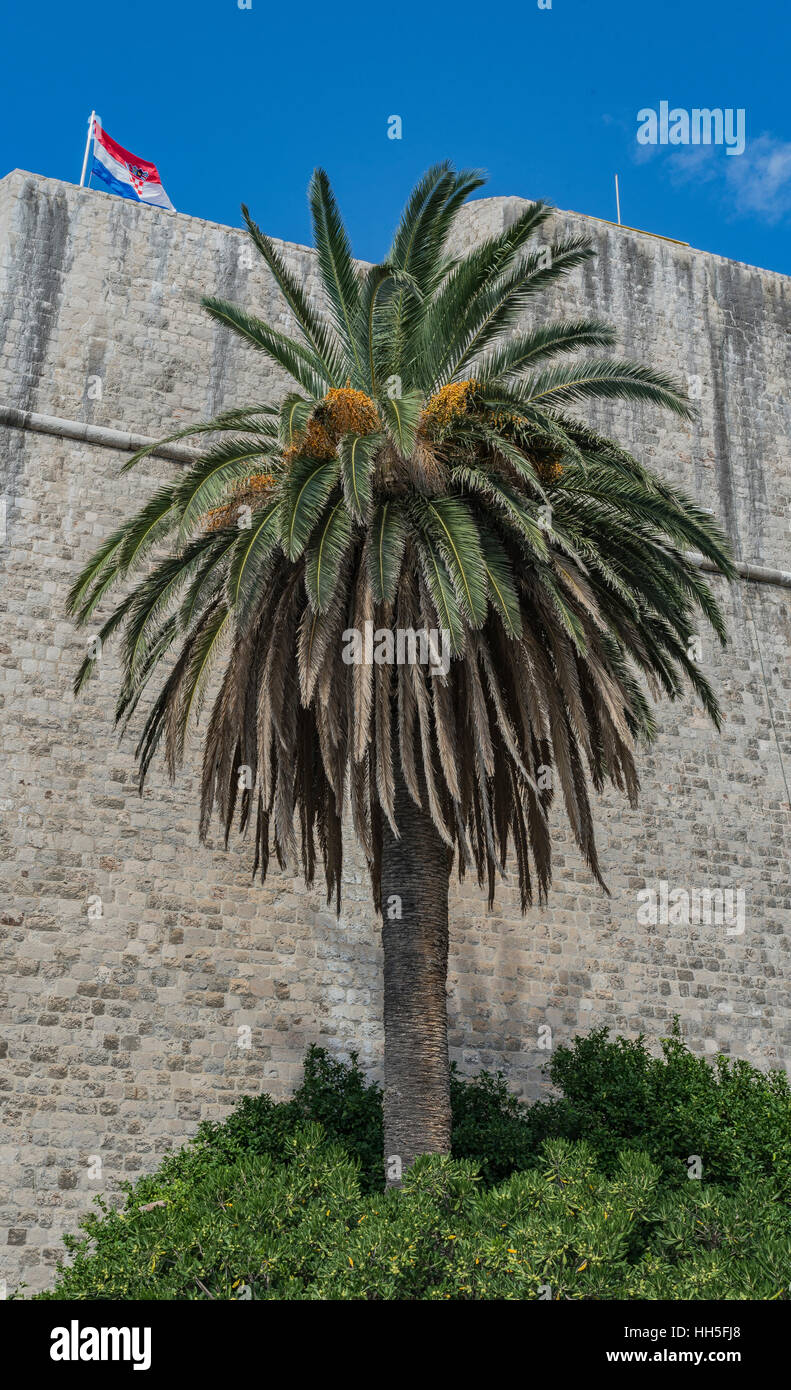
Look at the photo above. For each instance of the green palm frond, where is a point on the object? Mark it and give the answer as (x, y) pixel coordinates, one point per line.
(204, 653)
(104, 560)
(450, 524)
(459, 326)
(358, 457)
(151, 600)
(500, 580)
(548, 340)
(124, 549)
(442, 591)
(249, 419)
(115, 620)
(308, 489)
(313, 327)
(131, 692)
(401, 414)
(295, 412)
(511, 509)
(325, 556)
(372, 330)
(208, 484)
(338, 270)
(419, 246)
(251, 561)
(388, 538)
(210, 578)
(606, 379)
(299, 362)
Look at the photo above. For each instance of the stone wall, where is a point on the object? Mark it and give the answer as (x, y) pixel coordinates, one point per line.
(121, 1032)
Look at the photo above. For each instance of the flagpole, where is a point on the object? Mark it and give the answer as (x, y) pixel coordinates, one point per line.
(87, 147)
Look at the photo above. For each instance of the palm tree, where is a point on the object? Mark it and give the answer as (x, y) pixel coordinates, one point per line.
(425, 476)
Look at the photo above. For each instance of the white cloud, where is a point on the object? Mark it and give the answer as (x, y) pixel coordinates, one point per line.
(754, 184)
(697, 163)
(760, 179)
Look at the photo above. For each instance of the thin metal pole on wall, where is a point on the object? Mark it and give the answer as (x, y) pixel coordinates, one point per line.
(87, 147)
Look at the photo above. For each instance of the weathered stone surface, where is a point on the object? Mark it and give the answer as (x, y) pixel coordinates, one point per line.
(122, 1031)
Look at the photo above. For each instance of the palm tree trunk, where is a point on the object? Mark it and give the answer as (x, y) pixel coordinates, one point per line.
(415, 877)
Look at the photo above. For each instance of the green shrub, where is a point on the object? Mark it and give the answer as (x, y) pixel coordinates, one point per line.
(332, 1093)
(616, 1095)
(301, 1229)
(337, 1095)
(492, 1127)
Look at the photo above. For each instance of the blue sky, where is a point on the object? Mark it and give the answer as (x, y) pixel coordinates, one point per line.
(240, 104)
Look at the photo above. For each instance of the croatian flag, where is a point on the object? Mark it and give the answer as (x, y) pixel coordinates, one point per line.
(124, 174)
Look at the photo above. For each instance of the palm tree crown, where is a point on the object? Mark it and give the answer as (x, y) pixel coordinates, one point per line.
(425, 474)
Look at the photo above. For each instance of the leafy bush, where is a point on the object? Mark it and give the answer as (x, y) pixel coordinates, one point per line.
(337, 1095)
(301, 1229)
(492, 1127)
(616, 1095)
(332, 1093)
